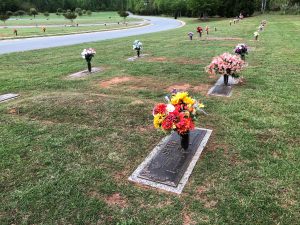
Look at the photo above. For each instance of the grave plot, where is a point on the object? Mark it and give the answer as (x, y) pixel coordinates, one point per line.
(219, 89)
(134, 58)
(169, 166)
(85, 73)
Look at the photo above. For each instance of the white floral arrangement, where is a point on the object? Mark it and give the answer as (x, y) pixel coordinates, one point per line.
(190, 33)
(88, 53)
(256, 34)
(137, 45)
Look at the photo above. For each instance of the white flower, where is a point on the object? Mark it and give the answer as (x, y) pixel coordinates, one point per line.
(170, 108)
(137, 45)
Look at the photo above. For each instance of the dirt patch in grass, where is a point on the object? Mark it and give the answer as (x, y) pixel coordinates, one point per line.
(187, 218)
(186, 61)
(115, 81)
(157, 59)
(179, 87)
(203, 88)
(183, 61)
(116, 200)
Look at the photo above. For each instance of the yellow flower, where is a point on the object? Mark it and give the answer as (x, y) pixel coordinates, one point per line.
(201, 105)
(179, 97)
(189, 101)
(158, 119)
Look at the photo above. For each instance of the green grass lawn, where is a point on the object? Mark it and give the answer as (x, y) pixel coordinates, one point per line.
(40, 21)
(68, 146)
(53, 19)
(50, 31)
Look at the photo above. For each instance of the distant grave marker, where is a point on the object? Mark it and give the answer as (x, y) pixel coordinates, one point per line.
(7, 97)
(85, 73)
(134, 58)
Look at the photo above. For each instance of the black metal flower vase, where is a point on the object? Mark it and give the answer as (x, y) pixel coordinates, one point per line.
(226, 78)
(200, 34)
(138, 52)
(191, 38)
(185, 140)
(89, 66)
(243, 57)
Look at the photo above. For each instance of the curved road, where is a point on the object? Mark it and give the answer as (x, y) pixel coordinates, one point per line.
(17, 45)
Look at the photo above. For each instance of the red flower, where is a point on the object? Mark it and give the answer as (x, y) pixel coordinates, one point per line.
(184, 125)
(160, 108)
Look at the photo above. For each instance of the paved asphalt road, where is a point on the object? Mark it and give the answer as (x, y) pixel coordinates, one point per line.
(19, 45)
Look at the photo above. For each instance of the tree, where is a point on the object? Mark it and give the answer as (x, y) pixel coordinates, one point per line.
(20, 13)
(33, 12)
(46, 14)
(4, 17)
(123, 14)
(70, 16)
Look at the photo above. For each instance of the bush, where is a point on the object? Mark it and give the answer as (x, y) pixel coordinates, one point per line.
(84, 11)
(9, 13)
(70, 16)
(78, 10)
(19, 13)
(46, 14)
(89, 12)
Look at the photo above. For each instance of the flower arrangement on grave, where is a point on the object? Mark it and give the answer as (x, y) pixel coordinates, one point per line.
(207, 29)
(264, 22)
(88, 54)
(200, 30)
(177, 115)
(242, 50)
(256, 34)
(191, 34)
(137, 45)
(226, 64)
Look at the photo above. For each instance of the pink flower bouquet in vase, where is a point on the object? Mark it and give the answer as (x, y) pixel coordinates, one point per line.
(226, 64)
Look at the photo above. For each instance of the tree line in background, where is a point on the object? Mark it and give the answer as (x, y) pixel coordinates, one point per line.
(199, 8)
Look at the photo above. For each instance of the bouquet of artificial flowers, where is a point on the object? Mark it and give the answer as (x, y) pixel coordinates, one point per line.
(137, 45)
(178, 114)
(88, 54)
(242, 50)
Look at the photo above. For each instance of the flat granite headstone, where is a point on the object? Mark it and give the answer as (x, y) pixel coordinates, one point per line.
(221, 90)
(7, 97)
(131, 59)
(169, 166)
(85, 73)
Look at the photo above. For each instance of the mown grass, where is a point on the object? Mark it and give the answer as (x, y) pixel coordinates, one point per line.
(68, 146)
(50, 31)
(53, 19)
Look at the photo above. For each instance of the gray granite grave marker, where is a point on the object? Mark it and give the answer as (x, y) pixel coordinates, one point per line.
(7, 97)
(134, 58)
(85, 73)
(169, 166)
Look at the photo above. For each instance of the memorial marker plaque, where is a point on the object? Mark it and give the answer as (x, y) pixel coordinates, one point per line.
(221, 90)
(85, 73)
(7, 97)
(168, 166)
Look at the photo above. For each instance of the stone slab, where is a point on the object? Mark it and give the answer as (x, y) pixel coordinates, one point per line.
(85, 73)
(7, 97)
(134, 58)
(221, 90)
(176, 183)
(170, 163)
